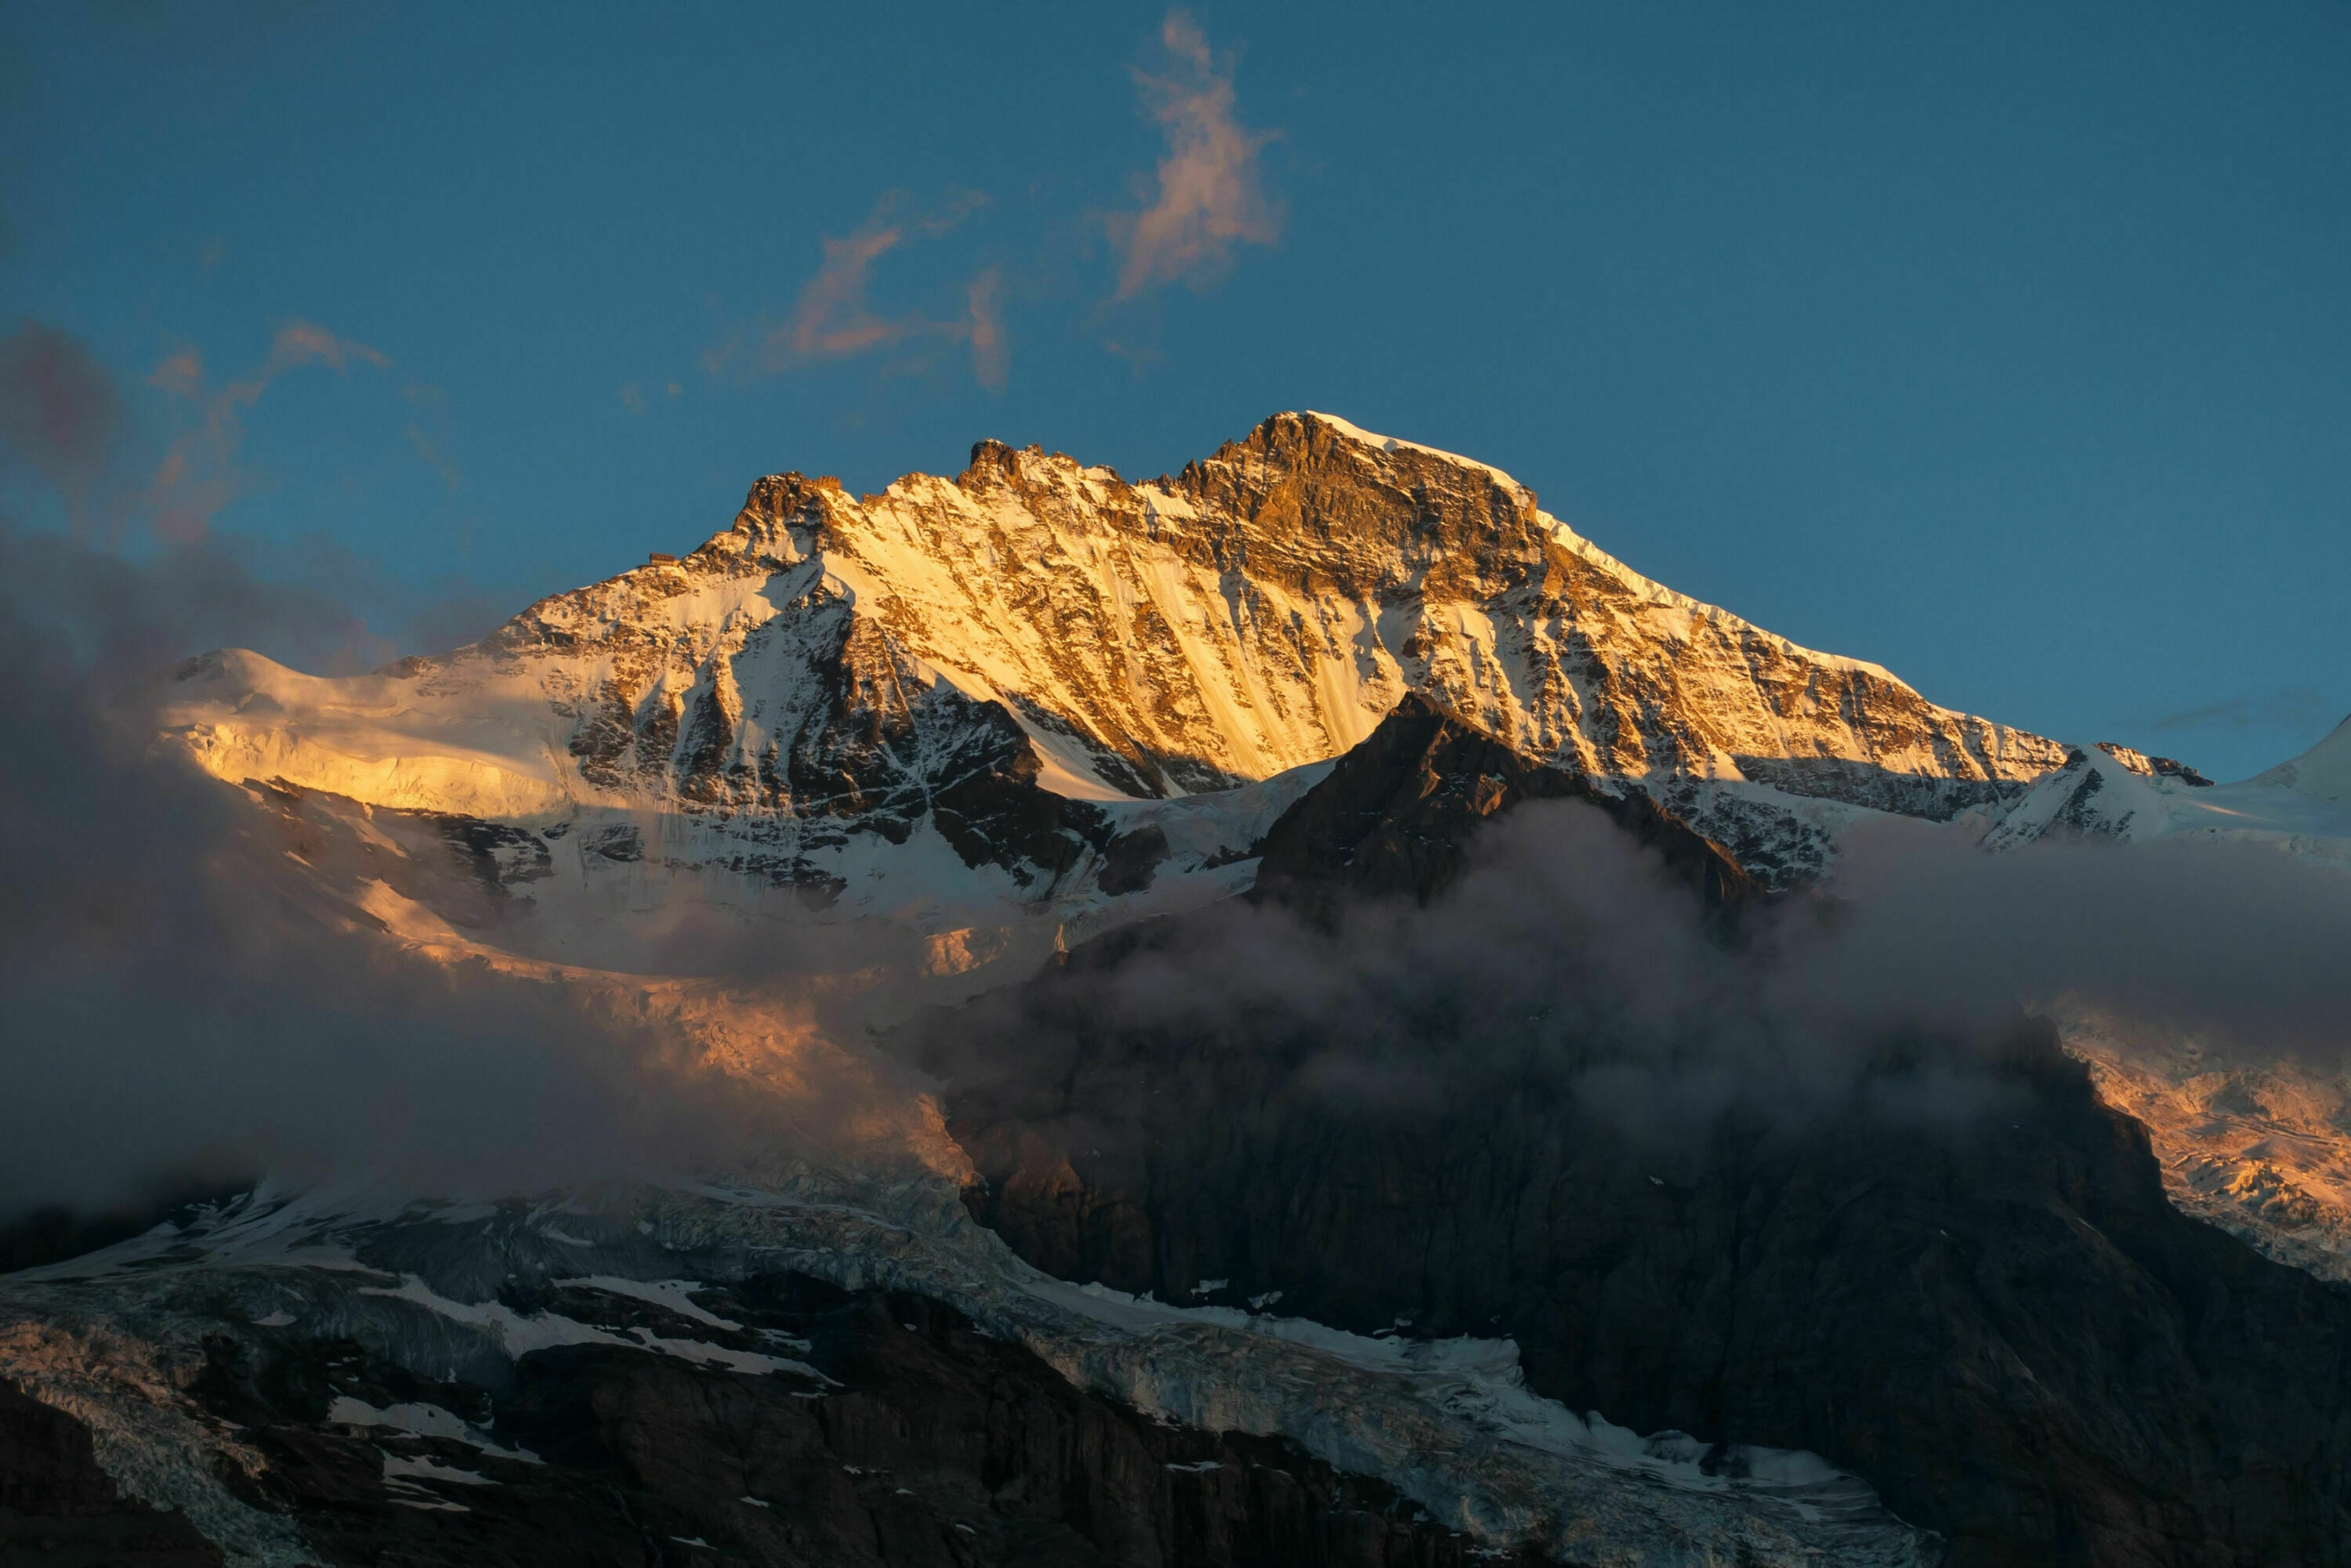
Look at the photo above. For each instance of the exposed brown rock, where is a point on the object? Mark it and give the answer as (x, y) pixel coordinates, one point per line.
(928, 1445)
(1397, 814)
(59, 1510)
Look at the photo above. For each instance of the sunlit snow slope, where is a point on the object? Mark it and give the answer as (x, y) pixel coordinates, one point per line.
(2303, 806)
(1000, 691)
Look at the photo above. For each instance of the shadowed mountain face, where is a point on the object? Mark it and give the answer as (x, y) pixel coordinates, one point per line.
(913, 1440)
(1949, 1267)
(1395, 814)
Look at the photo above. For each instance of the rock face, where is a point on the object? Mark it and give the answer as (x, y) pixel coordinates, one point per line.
(2013, 1337)
(1395, 814)
(968, 688)
(2259, 1146)
(1993, 1313)
(914, 1440)
(713, 1372)
(59, 1510)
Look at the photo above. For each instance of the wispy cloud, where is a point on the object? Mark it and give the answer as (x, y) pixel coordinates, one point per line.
(2288, 707)
(302, 342)
(428, 430)
(1211, 195)
(60, 414)
(636, 399)
(989, 348)
(1206, 199)
(199, 474)
(834, 318)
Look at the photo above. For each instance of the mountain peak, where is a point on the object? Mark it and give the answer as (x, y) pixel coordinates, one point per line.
(2323, 773)
(1001, 675)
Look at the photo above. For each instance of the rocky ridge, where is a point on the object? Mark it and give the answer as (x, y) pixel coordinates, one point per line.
(963, 699)
(1395, 816)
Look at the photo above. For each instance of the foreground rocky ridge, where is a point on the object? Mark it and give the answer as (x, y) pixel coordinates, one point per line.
(902, 1435)
(812, 1371)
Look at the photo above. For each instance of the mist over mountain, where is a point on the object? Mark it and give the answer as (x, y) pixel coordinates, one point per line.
(184, 1010)
(1375, 1030)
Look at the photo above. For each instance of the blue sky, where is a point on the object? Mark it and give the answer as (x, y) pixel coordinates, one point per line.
(2006, 346)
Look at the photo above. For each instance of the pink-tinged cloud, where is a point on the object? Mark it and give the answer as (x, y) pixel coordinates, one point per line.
(1211, 196)
(990, 350)
(302, 342)
(833, 318)
(428, 430)
(60, 414)
(181, 374)
(199, 474)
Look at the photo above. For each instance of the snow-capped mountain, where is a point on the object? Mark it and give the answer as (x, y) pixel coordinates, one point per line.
(1037, 686)
(1017, 708)
(2110, 792)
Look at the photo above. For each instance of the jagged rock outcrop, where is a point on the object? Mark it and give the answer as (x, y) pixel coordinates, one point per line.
(1394, 815)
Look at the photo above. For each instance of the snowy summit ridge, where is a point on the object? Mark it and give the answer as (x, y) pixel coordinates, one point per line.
(1037, 685)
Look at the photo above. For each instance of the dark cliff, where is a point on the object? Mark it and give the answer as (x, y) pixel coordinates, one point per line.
(1395, 814)
(1956, 1273)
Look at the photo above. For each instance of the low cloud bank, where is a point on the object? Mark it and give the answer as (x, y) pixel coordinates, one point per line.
(1569, 959)
(179, 1006)
(2239, 944)
(176, 1008)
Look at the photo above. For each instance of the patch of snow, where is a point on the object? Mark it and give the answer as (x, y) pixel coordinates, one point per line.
(518, 1335)
(422, 1420)
(675, 1295)
(405, 1467)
